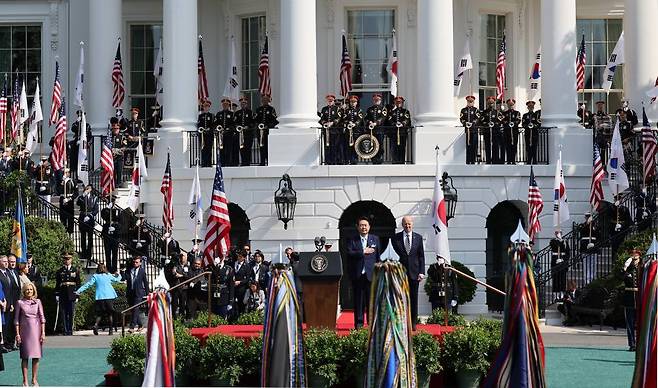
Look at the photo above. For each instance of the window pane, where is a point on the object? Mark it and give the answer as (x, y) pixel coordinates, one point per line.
(614, 29)
(137, 85)
(598, 76)
(33, 37)
(137, 59)
(156, 37)
(492, 50)
(482, 74)
(614, 102)
(5, 62)
(500, 26)
(137, 36)
(31, 83)
(5, 37)
(618, 80)
(34, 60)
(18, 37)
(584, 27)
(491, 25)
(599, 56)
(491, 74)
(18, 60)
(370, 44)
(598, 30)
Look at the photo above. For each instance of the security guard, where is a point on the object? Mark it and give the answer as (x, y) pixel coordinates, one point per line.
(265, 119)
(205, 127)
(110, 232)
(399, 122)
(68, 193)
(353, 123)
(442, 286)
(531, 123)
(469, 116)
(67, 281)
(586, 117)
(376, 117)
(511, 121)
(334, 133)
(244, 121)
(491, 121)
(227, 139)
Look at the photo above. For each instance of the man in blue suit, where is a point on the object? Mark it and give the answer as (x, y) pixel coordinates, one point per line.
(362, 254)
(137, 288)
(409, 247)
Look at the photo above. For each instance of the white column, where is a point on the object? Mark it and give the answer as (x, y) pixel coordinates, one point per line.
(641, 53)
(105, 28)
(296, 141)
(179, 103)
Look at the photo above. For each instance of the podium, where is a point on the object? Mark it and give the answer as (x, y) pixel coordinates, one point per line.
(320, 273)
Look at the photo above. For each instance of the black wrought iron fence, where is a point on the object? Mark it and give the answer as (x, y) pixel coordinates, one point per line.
(361, 145)
(506, 146)
(246, 147)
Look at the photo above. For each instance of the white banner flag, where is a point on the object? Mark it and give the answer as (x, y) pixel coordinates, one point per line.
(232, 87)
(139, 172)
(616, 58)
(560, 203)
(83, 163)
(157, 73)
(36, 116)
(440, 217)
(196, 204)
(392, 67)
(24, 112)
(80, 78)
(465, 63)
(617, 177)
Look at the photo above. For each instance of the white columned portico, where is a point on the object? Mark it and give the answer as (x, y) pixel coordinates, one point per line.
(435, 102)
(105, 28)
(641, 53)
(179, 75)
(296, 140)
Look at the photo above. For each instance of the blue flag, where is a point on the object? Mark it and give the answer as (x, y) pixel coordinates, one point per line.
(18, 234)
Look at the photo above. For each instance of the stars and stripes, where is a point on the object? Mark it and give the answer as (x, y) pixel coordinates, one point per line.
(598, 174)
(581, 60)
(15, 110)
(118, 87)
(264, 86)
(535, 206)
(167, 190)
(345, 74)
(202, 89)
(107, 165)
(56, 99)
(501, 63)
(217, 241)
(58, 155)
(3, 110)
(650, 148)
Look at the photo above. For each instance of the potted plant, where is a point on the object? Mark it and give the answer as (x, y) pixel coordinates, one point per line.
(188, 355)
(427, 353)
(354, 356)
(438, 317)
(220, 360)
(322, 353)
(127, 356)
(465, 353)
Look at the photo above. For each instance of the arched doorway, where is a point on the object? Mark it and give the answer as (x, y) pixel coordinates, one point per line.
(501, 223)
(239, 225)
(382, 224)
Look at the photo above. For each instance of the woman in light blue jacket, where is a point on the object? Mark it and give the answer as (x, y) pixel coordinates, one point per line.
(105, 294)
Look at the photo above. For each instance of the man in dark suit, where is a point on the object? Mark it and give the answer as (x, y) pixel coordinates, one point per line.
(409, 247)
(137, 288)
(362, 253)
(242, 277)
(9, 281)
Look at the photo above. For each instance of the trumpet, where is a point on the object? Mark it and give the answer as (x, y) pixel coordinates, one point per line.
(398, 125)
(261, 134)
(220, 130)
(350, 127)
(326, 127)
(240, 130)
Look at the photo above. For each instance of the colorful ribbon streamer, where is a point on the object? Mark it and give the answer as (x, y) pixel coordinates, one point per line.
(161, 351)
(645, 355)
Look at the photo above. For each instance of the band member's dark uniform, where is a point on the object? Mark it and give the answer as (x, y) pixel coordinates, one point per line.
(531, 122)
(197, 293)
(625, 129)
(227, 138)
(134, 130)
(68, 193)
(245, 123)
(334, 133)
(110, 233)
(630, 113)
(153, 122)
(266, 118)
(119, 142)
(168, 247)
(67, 281)
(353, 123)
(492, 126)
(376, 117)
(470, 117)
(585, 117)
(511, 121)
(399, 123)
(88, 203)
(206, 134)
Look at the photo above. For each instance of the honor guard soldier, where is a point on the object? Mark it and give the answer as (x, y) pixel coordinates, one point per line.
(353, 123)
(74, 145)
(110, 233)
(491, 121)
(154, 120)
(168, 247)
(586, 119)
(645, 206)
(245, 124)
(399, 119)
(67, 281)
(69, 193)
(560, 255)
(227, 139)
(589, 234)
(88, 204)
(133, 132)
(334, 134)
(24, 162)
(625, 128)
(631, 115)
(206, 131)
(141, 239)
(44, 178)
(470, 117)
(630, 295)
(119, 142)
(511, 121)
(443, 286)
(265, 119)
(376, 117)
(531, 124)
(195, 252)
(223, 287)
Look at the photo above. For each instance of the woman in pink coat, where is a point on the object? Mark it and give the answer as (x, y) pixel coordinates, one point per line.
(30, 330)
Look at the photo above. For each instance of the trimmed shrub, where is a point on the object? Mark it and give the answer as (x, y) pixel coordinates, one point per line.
(438, 318)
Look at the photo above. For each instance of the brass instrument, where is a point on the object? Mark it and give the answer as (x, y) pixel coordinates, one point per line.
(220, 131)
(261, 133)
(240, 130)
(398, 126)
(326, 127)
(468, 132)
(350, 127)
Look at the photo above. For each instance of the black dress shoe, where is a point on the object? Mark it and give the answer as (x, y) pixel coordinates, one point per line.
(95, 329)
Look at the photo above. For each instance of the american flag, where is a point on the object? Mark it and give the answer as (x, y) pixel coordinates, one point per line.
(218, 227)
(107, 164)
(167, 190)
(3, 110)
(598, 173)
(264, 86)
(535, 206)
(57, 98)
(345, 71)
(500, 71)
(581, 59)
(202, 92)
(650, 148)
(58, 155)
(15, 110)
(118, 87)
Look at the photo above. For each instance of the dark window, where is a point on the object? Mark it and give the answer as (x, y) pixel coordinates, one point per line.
(144, 43)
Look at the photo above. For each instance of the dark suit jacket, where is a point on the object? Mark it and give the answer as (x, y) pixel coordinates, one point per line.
(358, 260)
(244, 274)
(141, 285)
(414, 262)
(9, 287)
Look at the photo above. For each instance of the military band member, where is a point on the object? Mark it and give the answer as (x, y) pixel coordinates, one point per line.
(135, 128)
(266, 118)
(376, 117)
(334, 133)
(245, 123)
(227, 139)
(196, 252)
(68, 193)
(491, 122)
(88, 204)
(353, 123)
(469, 116)
(110, 233)
(600, 109)
(631, 115)
(625, 128)
(140, 241)
(44, 178)
(67, 281)
(168, 246)
(119, 142)
(206, 132)
(511, 121)
(399, 120)
(531, 123)
(586, 119)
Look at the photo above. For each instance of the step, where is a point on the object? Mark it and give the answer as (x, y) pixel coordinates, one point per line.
(552, 317)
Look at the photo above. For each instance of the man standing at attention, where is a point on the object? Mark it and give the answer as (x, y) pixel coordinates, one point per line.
(409, 247)
(362, 254)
